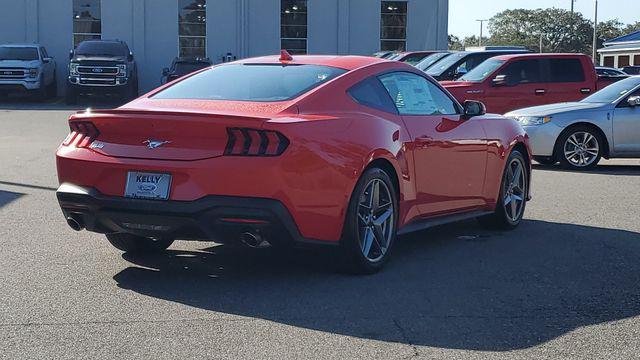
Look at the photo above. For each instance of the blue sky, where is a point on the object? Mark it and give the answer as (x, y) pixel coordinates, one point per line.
(463, 13)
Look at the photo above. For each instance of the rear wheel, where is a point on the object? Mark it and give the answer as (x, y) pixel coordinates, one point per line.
(513, 195)
(71, 97)
(138, 244)
(580, 148)
(371, 223)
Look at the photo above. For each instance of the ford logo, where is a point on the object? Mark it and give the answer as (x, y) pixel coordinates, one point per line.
(96, 70)
(8, 73)
(147, 187)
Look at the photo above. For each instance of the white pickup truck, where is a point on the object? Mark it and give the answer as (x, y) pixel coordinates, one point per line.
(27, 68)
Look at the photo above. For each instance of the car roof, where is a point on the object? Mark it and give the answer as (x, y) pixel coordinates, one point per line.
(21, 45)
(543, 55)
(349, 62)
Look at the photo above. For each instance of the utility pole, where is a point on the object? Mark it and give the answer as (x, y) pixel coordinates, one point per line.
(572, 2)
(541, 43)
(481, 23)
(595, 34)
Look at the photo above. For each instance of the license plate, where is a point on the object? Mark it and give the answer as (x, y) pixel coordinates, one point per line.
(144, 185)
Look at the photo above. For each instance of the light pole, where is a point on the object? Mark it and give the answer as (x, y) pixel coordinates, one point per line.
(595, 34)
(572, 2)
(481, 22)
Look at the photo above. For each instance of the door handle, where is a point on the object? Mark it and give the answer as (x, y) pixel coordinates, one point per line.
(585, 90)
(540, 91)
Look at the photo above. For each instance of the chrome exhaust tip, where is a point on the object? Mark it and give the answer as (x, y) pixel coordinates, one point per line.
(254, 241)
(74, 224)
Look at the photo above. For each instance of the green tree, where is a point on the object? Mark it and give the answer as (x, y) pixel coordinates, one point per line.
(455, 43)
(631, 28)
(561, 30)
(473, 41)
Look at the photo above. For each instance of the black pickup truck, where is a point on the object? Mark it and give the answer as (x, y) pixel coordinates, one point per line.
(104, 67)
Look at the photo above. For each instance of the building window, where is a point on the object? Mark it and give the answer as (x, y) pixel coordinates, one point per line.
(623, 60)
(636, 60)
(86, 20)
(192, 28)
(293, 26)
(393, 26)
(609, 61)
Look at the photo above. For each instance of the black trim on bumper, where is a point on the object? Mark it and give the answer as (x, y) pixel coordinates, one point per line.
(201, 219)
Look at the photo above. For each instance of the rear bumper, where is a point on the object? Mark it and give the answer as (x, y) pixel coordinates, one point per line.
(215, 218)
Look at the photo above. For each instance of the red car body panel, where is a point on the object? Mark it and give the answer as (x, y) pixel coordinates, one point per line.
(502, 99)
(443, 164)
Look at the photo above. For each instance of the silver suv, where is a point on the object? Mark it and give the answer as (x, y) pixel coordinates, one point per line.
(27, 68)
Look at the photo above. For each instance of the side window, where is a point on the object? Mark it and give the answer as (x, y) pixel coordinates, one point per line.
(566, 70)
(43, 53)
(522, 72)
(415, 95)
(371, 93)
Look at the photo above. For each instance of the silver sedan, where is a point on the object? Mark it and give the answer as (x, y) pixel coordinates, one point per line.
(577, 134)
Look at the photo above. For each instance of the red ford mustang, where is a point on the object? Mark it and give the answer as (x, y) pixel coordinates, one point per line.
(347, 151)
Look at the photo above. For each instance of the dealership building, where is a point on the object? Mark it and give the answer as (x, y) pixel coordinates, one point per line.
(157, 31)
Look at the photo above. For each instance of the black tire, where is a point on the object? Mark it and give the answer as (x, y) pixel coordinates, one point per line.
(71, 97)
(351, 248)
(545, 160)
(139, 245)
(53, 88)
(577, 133)
(42, 92)
(501, 218)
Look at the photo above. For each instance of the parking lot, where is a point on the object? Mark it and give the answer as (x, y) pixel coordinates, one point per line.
(563, 285)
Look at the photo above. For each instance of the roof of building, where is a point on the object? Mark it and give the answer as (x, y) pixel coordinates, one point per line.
(632, 37)
(620, 47)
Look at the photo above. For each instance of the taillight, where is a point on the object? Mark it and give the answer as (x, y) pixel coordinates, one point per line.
(252, 142)
(82, 134)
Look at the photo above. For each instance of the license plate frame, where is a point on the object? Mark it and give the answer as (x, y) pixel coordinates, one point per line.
(148, 185)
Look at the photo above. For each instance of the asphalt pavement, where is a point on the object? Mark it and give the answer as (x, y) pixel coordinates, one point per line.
(564, 285)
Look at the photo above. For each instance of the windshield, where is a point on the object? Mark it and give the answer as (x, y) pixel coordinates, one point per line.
(446, 63)
(427, 62)
(480, 72)
(18, 53)
(614, 91)
(414, 58)
(251, 82)
(104, 48)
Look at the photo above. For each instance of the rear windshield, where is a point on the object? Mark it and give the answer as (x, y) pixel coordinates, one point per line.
(251, 82)
(445, 63)
(97, 48)
(430, 60)
(482, 71)
(18, 53)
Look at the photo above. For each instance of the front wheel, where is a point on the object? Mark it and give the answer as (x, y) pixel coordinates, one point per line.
(138, 244)
(580, 148)
(513, 195)
(371, 223)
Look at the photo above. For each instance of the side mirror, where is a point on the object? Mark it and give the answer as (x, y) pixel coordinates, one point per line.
(130, 56)
(47, 60)
(473, 108)
(500, 80)
(70, 54)
(633, 101)
(165, 72)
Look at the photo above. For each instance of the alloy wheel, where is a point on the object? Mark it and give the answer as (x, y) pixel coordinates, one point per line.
(581, 149)
(375, 220)
(514, 189)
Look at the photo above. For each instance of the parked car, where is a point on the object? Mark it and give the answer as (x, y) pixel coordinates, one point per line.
(431, 60)
(349, 151)
(609, 71)
(183, 66)
(577, 134)
(457, 64)
(102, 67)
(510, 82)
(412, 57)
(385, 54)
(631, 70)
(27, 68)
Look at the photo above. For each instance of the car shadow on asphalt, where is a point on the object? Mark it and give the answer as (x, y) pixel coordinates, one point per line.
(456, 287)
(627, 170)
(7, 197)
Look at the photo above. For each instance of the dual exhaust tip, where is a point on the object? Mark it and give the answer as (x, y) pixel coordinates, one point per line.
(254, 240)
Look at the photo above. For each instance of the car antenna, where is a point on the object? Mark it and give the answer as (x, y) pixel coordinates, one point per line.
(285, 56)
